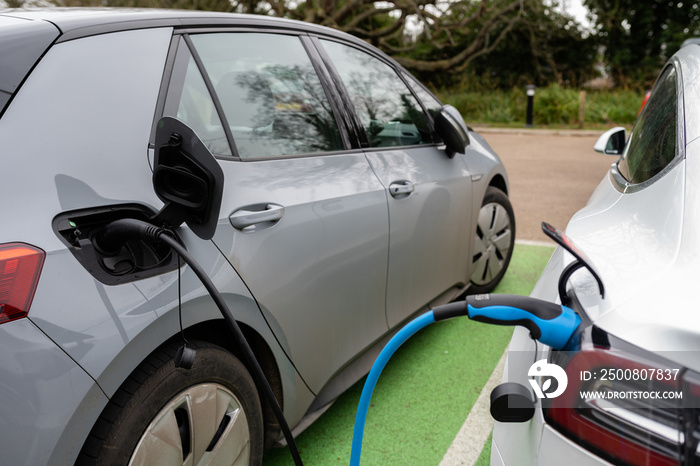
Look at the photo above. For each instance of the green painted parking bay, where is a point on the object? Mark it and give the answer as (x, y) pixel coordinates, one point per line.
(425, 393)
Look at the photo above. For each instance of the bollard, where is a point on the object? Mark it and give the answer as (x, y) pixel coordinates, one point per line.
(581, 109)
(530, 98)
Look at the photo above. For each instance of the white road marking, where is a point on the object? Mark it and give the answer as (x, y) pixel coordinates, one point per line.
(467, 445)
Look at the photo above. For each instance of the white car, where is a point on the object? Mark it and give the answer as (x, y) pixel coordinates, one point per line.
(632, 385)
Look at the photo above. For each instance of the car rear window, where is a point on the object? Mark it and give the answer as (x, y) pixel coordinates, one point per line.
(653, 142)
(22, 43)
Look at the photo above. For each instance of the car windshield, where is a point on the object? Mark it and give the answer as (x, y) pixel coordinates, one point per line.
(22, 43)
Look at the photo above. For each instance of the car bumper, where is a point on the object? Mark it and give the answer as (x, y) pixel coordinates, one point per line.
(532, 443)
(553, 447)
(48, 404)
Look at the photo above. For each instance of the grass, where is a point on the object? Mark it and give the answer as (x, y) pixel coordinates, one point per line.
(553, 106)
(485, 456)
(426, 391)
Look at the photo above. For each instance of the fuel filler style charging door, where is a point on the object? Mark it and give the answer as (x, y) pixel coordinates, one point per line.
(187, 178)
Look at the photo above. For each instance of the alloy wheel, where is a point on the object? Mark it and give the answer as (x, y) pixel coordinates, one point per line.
(203, 425)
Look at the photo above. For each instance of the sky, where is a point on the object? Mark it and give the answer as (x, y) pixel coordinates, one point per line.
(576, 9)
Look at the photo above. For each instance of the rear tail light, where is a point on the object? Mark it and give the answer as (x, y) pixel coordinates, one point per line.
(20, 267)
(628, 406)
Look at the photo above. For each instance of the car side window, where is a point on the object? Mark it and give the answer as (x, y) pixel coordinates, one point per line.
(390, 114)
(270, 94)
(653, 142)
(431, 104)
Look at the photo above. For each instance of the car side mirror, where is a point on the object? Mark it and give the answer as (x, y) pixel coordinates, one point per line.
(612, 141)
(451, 128)
(187, 178)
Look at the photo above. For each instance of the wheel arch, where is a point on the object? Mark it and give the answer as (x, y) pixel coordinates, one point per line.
(203, 322)
(498, 181)
(157, 374)
(218, 333)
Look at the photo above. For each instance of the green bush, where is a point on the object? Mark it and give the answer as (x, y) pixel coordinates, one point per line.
(553, 106)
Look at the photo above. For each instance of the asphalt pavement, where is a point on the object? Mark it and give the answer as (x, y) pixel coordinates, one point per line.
(552, 174)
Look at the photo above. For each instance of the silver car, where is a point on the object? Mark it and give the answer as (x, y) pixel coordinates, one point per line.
(353, 199)
(633, 372)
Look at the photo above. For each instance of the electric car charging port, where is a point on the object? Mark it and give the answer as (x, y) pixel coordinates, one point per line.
(137, 258)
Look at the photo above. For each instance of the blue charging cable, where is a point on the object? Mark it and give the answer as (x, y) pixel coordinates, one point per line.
(549, 323)
(397, 340)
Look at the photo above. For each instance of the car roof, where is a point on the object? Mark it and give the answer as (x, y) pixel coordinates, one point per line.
(80, 22)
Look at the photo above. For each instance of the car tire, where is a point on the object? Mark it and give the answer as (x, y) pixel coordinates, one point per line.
(162, 413)
(493, 242)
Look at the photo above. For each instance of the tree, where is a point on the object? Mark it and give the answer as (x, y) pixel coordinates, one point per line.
(452, 32)
(640, 35)
(538, 50)
(438, 39)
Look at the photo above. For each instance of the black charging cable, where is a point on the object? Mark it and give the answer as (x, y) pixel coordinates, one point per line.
(110, 239)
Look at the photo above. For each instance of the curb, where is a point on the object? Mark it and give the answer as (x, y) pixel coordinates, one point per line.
(538, 132)
(542, 244)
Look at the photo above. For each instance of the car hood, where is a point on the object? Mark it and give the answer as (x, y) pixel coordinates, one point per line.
(635, 241)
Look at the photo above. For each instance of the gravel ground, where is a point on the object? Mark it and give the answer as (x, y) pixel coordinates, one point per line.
(552, 174)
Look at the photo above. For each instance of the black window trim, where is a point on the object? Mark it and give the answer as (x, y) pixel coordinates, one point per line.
(620, 182)
(214, 97)
(360, 138)
(164, 87)
(343, 120)
(405, 76)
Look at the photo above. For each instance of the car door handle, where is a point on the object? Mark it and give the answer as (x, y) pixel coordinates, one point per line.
(256, 214)
(400, 189)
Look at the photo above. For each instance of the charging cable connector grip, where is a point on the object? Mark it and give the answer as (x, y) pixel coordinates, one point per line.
(549, 323)
(109, 240)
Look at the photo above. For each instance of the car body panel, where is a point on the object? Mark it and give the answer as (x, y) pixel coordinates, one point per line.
(673, 329)
(22, 44)
(631, 249)
(54, 100)
(485, 168)
(335, 215)
(555, 446)
(689, 62)
(43, 392)
(518, 441)
(421, 245)
(101, 324)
